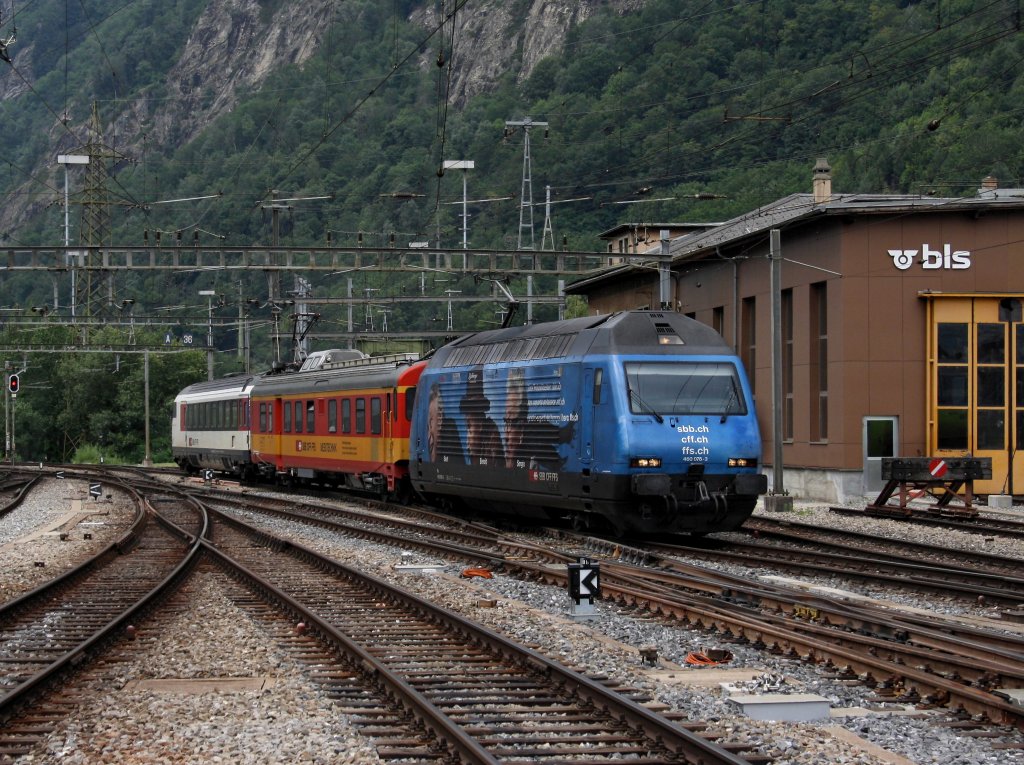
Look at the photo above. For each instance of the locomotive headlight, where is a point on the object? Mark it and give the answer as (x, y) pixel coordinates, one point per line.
(645, 462)
(738, 462)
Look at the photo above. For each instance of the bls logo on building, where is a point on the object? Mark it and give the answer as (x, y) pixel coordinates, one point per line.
(947, 257)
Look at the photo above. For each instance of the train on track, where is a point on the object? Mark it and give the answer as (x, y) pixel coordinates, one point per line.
(641, 421)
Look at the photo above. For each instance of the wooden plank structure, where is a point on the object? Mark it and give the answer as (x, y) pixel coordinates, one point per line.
(941, 478)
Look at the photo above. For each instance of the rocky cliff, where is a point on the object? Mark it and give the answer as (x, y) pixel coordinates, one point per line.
(494, 37)
(236, 44)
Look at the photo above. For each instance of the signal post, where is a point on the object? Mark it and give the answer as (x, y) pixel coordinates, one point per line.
(12, 384)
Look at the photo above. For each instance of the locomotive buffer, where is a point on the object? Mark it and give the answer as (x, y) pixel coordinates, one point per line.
(584, 587)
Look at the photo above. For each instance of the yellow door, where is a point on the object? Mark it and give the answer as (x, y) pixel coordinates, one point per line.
(976, 386)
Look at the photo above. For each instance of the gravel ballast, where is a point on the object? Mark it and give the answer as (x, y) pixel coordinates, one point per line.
(291, 721)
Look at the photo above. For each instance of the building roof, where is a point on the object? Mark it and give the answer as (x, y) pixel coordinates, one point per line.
(623, 228)
(799, 208)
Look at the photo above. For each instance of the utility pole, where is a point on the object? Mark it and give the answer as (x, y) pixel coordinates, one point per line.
(665, 271)
(274, 274)
(449, 293)
(209, 331)
(463, 165)
(778, 498)
(303, 320)
(69, 159)
(7, 413)
(147, 460)
(526, 195)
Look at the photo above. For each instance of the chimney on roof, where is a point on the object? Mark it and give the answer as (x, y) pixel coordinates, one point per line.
(822, 181)
(989, 183)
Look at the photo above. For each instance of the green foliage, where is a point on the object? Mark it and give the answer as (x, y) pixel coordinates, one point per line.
(70, 400)
(91, 454)
(661, 102)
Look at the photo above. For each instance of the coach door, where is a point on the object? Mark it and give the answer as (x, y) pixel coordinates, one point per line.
(976, 386)
(589, 397)
(390, 413)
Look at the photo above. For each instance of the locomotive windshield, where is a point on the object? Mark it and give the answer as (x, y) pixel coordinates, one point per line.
(687, 387)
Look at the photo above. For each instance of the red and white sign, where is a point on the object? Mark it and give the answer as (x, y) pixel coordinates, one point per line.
(938, 468)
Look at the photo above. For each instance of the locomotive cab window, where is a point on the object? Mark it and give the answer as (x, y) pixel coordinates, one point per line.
(684, 388)
(332, 416)
(346, 415)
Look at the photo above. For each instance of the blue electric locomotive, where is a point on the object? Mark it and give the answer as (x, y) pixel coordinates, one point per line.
(641, 420)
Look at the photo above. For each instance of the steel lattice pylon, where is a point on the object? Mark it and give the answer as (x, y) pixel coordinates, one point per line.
(94, 289)
(525, 239)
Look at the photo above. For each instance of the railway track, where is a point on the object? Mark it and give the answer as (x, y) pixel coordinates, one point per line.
(923, 661)
(48, 633)
(482, 695)
(897, 571)
(898, 550)
(428, 685)
(919, 659)
(973, 524)
(13, 490)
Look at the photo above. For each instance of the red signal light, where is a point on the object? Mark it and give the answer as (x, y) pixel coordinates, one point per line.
(13, 383)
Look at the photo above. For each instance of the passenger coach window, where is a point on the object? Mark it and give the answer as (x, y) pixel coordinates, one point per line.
(286, 426)
(375, 415)
(263, 418)
(298, 416)
(346, 416)
(360, 415)
(310, 417)
(332, 416)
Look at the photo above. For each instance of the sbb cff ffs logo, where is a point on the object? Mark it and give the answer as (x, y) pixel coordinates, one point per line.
(13, 383)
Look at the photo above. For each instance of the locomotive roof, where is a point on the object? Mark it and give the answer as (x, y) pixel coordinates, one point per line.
(627, 332)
